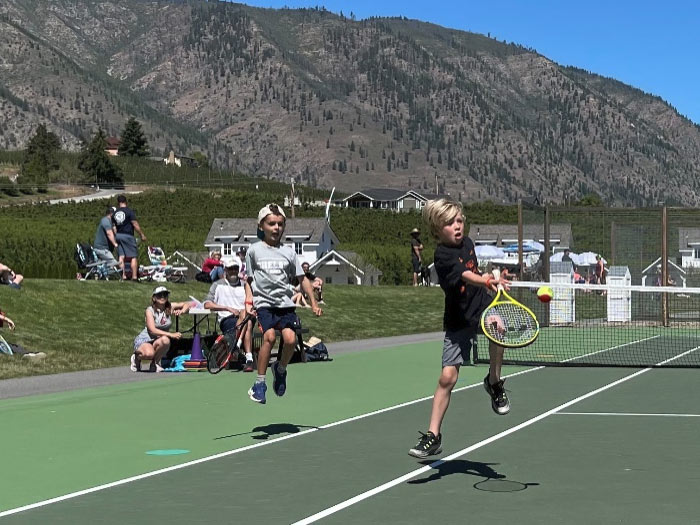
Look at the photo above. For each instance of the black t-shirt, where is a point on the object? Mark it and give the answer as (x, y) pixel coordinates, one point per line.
(415, 241)
(122, 220)
(464, 302)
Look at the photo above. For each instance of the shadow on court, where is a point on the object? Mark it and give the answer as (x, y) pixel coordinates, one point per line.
(272, 430)
(494, 482)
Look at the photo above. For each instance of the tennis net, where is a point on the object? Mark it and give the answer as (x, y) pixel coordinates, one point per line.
(603, 325)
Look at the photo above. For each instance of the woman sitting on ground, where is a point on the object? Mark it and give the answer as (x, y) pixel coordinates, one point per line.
(213, 266)
(10, 278)
(154, 340)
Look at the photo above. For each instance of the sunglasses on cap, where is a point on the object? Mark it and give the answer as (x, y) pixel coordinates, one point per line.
(161, 295)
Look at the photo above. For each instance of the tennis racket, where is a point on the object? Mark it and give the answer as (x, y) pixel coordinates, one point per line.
(220, 353)
(509, 323)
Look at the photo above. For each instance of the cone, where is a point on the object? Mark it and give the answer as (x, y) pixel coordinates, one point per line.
(197, 349)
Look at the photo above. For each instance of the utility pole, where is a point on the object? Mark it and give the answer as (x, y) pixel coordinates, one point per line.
(437, 185)
(292, 198)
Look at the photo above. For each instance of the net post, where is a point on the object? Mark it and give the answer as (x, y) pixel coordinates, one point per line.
(664, 264)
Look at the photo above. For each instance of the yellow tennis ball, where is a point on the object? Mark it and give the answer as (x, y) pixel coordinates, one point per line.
(545, 294)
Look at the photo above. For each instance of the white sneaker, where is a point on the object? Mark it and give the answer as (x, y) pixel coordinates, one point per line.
(155, 367)
(135, 363)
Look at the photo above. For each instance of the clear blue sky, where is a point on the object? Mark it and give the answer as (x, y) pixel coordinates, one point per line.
(651, 45)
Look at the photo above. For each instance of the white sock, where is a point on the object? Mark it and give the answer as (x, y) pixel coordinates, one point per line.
(260, 379)
(248, 356)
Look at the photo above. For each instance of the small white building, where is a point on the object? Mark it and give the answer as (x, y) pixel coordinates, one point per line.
(311, 238)
(336, 267)
(689, 247)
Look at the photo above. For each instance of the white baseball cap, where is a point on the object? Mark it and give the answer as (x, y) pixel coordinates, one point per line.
(267, 210)
(160, 289)
(231, 262)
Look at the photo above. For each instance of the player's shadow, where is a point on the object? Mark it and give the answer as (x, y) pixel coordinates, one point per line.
(459, 466)
(268, 431)
(493, 482)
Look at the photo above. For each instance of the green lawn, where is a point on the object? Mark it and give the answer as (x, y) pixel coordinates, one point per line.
(92, 324)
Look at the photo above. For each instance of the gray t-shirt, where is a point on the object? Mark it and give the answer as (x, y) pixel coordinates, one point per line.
(101, 240)
(273, 269)
(162, 322)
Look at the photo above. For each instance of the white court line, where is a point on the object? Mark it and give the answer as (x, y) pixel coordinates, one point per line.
(611, 348)
(623, 414)
(230, 452)
(398, 481)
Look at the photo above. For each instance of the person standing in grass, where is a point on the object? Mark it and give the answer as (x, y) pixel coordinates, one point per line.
(125, 223)
(272, 267)
(154, 340)
(466, 298)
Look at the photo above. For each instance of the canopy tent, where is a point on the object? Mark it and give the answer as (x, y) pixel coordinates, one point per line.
(488, 251)
(528, 246)
(589, 258)
(558, 256)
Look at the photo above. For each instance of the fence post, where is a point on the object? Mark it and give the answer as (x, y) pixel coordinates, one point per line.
(664, 264)
(520, 239)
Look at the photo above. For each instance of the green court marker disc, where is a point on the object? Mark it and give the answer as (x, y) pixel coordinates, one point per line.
(168, 452)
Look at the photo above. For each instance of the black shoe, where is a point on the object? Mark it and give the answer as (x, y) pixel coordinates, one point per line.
(279, 385)
(499, 398)
(428, 445)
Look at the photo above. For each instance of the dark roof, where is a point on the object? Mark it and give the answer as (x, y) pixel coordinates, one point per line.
(113, 142)
(497, 232)
(238, 229)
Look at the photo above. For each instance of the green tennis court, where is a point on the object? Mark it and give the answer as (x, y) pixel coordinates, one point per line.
(581, 445)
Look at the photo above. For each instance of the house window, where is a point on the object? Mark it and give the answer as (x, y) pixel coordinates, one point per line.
(696, 253)
(227, 249)
(329, 279)
(298, 248)
(351, 279)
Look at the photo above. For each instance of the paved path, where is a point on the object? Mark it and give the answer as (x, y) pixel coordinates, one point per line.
(99, 194)
(48, 384)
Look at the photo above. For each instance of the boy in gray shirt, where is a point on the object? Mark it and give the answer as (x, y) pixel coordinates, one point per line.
(272, 267)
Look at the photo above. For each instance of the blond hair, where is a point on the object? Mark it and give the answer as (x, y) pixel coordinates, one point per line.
(440, 212)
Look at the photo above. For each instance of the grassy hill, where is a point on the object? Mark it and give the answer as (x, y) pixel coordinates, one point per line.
(87, 325)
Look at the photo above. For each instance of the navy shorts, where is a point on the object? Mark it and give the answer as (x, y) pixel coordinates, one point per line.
(278, 318)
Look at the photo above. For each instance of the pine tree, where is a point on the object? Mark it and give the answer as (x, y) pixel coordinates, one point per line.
(96, 165)
(133, 141)
(39, 160)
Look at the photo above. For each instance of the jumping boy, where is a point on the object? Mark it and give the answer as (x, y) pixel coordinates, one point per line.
(271, 268)
(465, 299)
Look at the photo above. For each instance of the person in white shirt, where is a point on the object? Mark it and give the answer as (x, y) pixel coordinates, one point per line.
(226, 297)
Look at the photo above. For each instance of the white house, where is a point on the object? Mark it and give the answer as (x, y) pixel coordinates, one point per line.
(689, 247)
(311, 238)
(388, 199)
(336, 267)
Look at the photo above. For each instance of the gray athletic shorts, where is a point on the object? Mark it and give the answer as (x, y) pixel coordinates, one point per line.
(127, 245)
(457, 346)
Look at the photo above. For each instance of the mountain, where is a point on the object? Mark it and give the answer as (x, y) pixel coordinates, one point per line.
(331, 101)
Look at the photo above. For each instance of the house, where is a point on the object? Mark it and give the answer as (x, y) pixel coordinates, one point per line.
(314, 242)
(311, 238)
(336, 267)
(651, 275)
(112, 146)
(388, 199)
(179, 160)
(689, 247)
(502, 235)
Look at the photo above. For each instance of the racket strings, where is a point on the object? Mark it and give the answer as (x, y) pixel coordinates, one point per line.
(510, 324)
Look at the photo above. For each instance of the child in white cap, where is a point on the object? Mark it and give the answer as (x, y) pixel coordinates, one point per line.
(272, 268)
